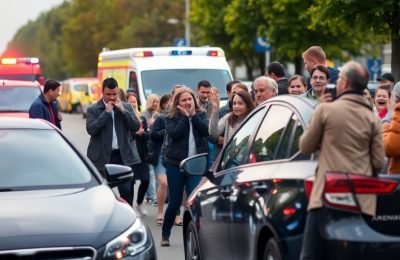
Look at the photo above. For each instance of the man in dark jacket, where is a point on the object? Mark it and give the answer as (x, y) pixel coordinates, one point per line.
(109, 123)
(45, 106)
(276, 71)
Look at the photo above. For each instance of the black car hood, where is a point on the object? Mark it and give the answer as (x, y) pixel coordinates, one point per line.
(63, 217)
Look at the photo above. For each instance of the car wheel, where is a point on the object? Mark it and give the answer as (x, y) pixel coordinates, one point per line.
(192, 246)
(272, 250)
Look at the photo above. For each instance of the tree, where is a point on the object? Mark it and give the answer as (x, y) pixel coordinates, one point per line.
(380, 18)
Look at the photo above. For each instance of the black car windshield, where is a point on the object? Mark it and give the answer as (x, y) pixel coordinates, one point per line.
(17, 99)
(161, 81)
(39, 159)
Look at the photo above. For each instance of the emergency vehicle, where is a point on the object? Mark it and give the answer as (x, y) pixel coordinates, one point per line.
(156, 70)
(25, 68)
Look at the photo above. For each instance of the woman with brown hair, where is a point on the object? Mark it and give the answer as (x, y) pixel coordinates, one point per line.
(242, 105)
(186, 128)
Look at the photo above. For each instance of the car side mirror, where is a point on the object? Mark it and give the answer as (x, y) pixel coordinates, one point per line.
(117, 174)
(197, 166)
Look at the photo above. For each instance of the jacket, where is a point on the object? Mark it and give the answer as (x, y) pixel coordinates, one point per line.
(99, 125)
(348, 135)
(177, 129)
(157, 133)
(40, 109)
(391, 141)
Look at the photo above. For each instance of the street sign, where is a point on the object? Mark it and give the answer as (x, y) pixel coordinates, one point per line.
(374, 68)
(180, 42)
(261, 44)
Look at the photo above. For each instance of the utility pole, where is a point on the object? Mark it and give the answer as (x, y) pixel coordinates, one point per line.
(187, 22)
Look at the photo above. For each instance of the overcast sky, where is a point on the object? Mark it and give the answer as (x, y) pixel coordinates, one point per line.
(16, 13)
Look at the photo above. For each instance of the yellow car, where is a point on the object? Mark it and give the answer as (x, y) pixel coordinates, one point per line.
(73, 90)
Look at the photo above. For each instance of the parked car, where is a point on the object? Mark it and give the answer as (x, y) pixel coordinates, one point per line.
(252, 205)
(16, 97)
(72, 90)
(90, 94)
(54, 203)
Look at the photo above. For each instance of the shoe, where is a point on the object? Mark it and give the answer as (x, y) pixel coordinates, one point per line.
(178, 223)
(154, 203)
(159, 221)
(164, 242)
(140, 208)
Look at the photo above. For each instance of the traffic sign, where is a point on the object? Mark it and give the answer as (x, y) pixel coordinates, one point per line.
(261, 44)
(180, 42)
(374, 68)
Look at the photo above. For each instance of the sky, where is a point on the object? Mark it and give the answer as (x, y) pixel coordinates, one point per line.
(16, 13)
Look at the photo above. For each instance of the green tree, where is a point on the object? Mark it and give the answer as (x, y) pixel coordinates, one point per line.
(380, 18)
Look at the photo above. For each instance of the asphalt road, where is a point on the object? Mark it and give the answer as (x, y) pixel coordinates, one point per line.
(74, 127)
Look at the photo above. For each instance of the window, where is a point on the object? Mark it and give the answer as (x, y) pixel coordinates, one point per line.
(235, 151)
(272, 130)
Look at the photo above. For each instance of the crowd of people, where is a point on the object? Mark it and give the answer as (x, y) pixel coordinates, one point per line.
(184, 123)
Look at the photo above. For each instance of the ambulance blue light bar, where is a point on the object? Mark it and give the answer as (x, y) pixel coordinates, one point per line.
(181, 53)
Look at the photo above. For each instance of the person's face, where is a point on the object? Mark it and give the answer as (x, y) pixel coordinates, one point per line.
(110, 94)
(133, 101)
(239, 107)
(381, 99)
(263, 92)
(155, 104)
(204, 94)
(318, 81)
(296, 87)
(186, 101)
(309, 63)
(54, 94)
(341, 84)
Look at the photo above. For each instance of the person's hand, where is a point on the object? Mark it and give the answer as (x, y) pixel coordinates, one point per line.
(325, 97)
(140, 132)
(59, 116)
(192, 110)
(182, 110)
(391, 103)
(118, 104)
(214, 98)
(109, 106)
(221, 140)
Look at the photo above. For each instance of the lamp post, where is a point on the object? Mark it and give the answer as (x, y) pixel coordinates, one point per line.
(187, 22)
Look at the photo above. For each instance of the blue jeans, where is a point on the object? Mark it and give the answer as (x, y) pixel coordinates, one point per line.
(177, 181)
(151, 191)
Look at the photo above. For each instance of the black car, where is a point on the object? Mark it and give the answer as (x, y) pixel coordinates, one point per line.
(252, 205)
(54, 203)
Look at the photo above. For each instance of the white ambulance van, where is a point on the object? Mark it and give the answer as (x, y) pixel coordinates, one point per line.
(157, 70)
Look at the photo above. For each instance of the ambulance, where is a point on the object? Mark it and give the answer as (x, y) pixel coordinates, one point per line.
(21, 68)
(156, 70)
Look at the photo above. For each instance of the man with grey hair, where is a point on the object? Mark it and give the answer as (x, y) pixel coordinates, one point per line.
(350, 119)
(264, 89)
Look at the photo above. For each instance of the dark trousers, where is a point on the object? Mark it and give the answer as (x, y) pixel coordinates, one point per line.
(124, 189)
(312, 242)
(177, 181)
(141, 170)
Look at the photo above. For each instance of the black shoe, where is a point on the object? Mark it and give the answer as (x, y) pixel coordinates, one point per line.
(165, 242)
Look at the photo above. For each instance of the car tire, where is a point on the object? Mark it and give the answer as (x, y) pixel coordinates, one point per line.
(271, 251)
(192, 245)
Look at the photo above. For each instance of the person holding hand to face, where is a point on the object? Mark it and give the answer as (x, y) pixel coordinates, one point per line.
(186, 130)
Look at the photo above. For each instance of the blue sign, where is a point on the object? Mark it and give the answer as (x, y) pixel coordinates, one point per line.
(261, 44)
(180, 42)
(374, 68)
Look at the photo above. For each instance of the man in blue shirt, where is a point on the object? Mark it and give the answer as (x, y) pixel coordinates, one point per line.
(46, 106)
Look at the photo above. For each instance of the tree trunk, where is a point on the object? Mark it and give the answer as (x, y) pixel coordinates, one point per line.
(395, 28)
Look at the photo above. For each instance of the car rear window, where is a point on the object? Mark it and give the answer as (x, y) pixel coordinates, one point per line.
(35, 159)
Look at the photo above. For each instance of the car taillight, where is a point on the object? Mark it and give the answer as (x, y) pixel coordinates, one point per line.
(308, 186)
(340, 189)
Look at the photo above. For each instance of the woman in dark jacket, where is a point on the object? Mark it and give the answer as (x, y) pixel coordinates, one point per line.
(140, 170)
(186, 129)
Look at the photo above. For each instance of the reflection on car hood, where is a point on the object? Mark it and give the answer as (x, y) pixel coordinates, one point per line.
(66, 217)
(14, 114)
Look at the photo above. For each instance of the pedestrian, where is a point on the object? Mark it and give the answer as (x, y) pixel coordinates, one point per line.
(226, 126)
(319, 80)
(45, 106)
(382, 99)
(347, 135)
(276, 71)
(264, 89)
(228, 106)
(203, 96)
(297, 85)
(314, 56)
(187, 129)
(109, 123)
(386, 78)
(140, 170)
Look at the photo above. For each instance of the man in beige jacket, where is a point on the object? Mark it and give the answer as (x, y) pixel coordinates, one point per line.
(347, 133)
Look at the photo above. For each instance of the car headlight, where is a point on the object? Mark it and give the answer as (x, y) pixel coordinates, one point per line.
(130, 243)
